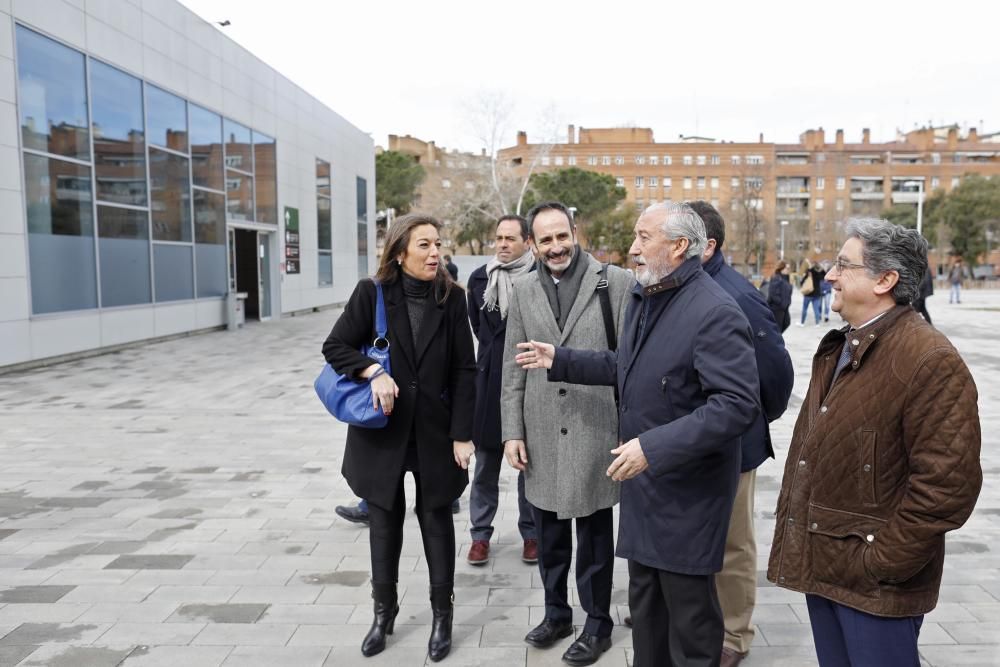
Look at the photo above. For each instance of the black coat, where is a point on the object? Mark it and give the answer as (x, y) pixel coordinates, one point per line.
(774, 365)
(688, 391)
(436, 380)
(490, 330)
(779, 293)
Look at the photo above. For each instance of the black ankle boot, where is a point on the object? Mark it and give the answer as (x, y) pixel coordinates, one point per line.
(385, 617)
(442, 604)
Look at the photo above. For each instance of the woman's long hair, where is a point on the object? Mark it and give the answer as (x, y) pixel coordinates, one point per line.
(397, 240)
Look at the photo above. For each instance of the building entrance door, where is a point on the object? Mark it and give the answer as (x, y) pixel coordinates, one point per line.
(245, 266)
(264, 256)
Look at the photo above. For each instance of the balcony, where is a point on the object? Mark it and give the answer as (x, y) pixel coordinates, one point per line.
(866, 188)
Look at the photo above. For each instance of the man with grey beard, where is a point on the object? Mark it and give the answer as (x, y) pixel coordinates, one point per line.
(559, 435)
(687, 376)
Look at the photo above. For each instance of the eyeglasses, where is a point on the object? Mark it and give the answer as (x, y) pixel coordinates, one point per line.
(841, 265)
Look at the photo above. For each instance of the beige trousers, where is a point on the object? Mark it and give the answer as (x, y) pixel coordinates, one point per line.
(737, 583)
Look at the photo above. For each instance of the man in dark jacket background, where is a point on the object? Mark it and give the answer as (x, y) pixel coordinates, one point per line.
(737, 583)
(489, 292)
(687, 377)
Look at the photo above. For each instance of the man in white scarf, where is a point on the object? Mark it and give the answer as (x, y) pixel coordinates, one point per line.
(489, 289)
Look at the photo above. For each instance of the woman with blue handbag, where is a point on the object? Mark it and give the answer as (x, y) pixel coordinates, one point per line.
(429, 399)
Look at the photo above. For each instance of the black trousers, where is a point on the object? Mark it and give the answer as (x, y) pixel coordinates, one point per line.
(595, 564)
(676, 618)
(385, 535)
(782, 318)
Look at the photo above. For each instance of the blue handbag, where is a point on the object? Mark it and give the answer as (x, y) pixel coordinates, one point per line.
(350, 401)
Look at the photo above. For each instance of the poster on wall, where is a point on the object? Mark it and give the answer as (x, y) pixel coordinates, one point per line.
(291, 240)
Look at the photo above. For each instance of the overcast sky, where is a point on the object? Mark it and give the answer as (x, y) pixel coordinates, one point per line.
(727, 69)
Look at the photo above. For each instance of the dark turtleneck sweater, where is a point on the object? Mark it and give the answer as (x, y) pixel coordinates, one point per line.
(417, 293)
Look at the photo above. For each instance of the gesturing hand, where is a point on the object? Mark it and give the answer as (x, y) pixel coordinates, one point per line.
(630, 462)
(516, 454)
(535, 355)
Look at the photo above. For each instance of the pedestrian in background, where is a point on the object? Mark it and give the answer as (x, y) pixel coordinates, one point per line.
(826, 290)
(884, 460)
(926, 290)
(490, 287)
(955, 277)
(429, 400)
(451, 267)
(779, 296)
(737, 582)
(812, 292)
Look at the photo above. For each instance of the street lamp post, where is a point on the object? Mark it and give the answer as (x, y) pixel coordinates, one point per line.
(784, 223)
(920, 203)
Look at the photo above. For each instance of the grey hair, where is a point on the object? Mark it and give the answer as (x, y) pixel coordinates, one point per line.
(681, 222)
(889, 247)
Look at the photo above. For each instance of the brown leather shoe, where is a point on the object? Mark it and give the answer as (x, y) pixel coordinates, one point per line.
(530, 552)
(479, 553)
(731, 658)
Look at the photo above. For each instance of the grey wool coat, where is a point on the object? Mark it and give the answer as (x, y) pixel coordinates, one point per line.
(569, 429)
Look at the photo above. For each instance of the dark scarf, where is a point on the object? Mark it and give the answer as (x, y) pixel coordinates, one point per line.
(417, 293)
(562, 296)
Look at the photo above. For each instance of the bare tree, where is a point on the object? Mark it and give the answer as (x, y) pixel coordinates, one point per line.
(748, 205)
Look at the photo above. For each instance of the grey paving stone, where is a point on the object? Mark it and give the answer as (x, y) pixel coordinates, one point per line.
(150, 562)
(786, 634)
(392, 656)
(307, 614)
(157, 634)
(76, 656)
(220, 613)
(12, 655)
(134, 612)
(54, 633)
(125, 592)
(268, 656)
(241, 634)
(287, 594)
(42, 613)
(173, 656)
(19, 594)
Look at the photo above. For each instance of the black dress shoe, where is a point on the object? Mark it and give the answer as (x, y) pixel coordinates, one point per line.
(586, 649)
(353, 514)
(548, 633)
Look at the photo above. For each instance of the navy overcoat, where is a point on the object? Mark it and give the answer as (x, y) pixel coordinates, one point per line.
(687, 378)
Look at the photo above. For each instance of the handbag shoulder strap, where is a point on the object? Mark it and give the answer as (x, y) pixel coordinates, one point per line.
(381, 328)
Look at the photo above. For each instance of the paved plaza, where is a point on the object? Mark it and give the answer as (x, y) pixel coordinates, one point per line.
(173, 505)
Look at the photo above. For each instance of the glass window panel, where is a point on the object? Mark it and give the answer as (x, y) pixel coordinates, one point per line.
(173, 269)
(209, 217)
(239, 195)
(210, 259)
(325, 268)
(210, 243)
(265, 178)
(52, 96)
(124, 248)
(323, 178)
(238, 146)
(167, 119)
(119, 142)
(60, 235)
(362, 239)
(324, 235)
(362, 194)
(170, 195)
(206, 148)
(362, 266)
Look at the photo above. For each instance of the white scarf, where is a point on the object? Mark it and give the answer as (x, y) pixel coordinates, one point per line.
(500, 283)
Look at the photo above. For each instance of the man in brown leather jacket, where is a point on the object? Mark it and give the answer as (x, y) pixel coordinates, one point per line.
(884, 459)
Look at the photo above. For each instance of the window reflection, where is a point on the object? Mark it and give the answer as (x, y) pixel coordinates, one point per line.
(265, 178)
(170, 196)
(206, 148)
(119, 141)
(124, 253)
(238, 154)
(60, 235)
(167, 116)
(239, 195)
(210, 243)
(52, 96)
(209, 217)
(324, 237)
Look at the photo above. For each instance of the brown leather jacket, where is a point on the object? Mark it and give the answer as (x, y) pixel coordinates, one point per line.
(881, 465)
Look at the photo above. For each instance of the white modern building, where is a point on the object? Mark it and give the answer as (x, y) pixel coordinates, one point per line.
(149, 165)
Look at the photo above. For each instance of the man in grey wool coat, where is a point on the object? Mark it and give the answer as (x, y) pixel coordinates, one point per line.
(561, 435)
